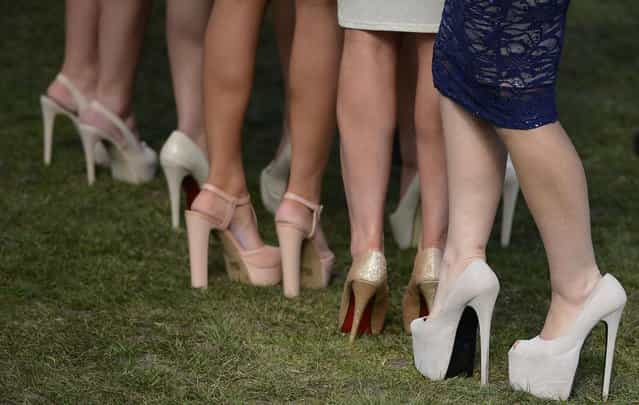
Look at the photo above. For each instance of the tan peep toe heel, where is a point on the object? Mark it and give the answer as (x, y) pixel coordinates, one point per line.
(365, 296)
(304, 261)
(258, 267)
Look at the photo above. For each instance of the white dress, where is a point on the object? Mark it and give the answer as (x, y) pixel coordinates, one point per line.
(391, 15)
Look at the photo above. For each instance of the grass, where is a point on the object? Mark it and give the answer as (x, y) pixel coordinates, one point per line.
(96, 306)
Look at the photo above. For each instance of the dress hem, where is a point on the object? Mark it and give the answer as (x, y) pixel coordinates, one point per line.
(398, 27)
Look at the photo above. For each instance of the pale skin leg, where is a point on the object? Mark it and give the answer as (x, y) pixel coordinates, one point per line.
(406, 90)
(120, 33)
(229, 62)
(284, 17)
(367, 118)
(185, 26)
(554, 184)
(313, 93)
(431, 150)
(80, 52)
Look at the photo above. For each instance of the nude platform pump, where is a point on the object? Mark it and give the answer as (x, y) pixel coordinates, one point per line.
(304, 262)
(444, 345)
(258, 267)
(365, 296)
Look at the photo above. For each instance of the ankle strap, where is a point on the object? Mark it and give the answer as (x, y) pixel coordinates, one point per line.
(118, 122)
(231, 203)
(79, 98)
(315, 208)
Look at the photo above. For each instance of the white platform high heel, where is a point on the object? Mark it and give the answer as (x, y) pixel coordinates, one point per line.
(511, 192)
(406, 220)
(184, 166)
(132, 161)
(546, 368)
(51, 109)
(444, 345)
(274, 179)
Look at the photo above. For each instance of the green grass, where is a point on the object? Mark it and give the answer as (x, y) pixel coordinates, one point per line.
(94, 294)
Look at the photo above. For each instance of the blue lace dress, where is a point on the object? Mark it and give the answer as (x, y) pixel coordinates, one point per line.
(499, 58)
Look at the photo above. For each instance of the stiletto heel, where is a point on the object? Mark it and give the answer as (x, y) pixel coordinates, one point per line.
(132, 161)
(174, 177)
(304, 261)
(511, 192)
(444, 345)
(546, 368)
(199, 228)
(257, 267)
(365, 296)
(184, 166)
(89, 141)
(52, 108)
(420, 293)
(274, 179)
(406, 220)
(48, 120)
(612, 326)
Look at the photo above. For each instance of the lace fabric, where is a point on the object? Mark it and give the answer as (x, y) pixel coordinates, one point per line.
(499, 58)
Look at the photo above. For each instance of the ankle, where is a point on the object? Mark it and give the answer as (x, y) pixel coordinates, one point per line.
(454, 263)
(363, 244)
(84, 79)
(576, 290)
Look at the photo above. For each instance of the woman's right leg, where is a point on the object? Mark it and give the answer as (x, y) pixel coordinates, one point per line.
(476, 161)
(367, 118)
(229, 62)
(186, 25)
(80, 64)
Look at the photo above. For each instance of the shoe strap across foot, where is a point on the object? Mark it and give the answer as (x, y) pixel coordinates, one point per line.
(79, 99)
(316, 209)
(130, 140)
(231, 204)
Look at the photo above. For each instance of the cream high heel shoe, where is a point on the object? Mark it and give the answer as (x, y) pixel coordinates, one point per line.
(420, 293)
(406, 220)
(132, 161)
(365, 296)
(185, 166)
(258, 267)
(546, 368)
(274, 180)
(303, 260)
(50, 111)
(444, 345)
(511, 192)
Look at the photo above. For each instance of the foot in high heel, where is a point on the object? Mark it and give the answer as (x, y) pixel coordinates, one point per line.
(546, 368)
(420, 293)
(184, 166)
(306, 261)
(406, 220)
(365, 296)
(52, 107)
(132, 161)
(259, 266)
(444, 345)
(274, 179)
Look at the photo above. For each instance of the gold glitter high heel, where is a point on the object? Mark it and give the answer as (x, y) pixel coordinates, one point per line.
(365, 296)
(420, 293)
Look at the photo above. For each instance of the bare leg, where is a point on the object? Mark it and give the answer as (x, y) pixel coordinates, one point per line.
(186, 25)
(80, 51)
(284, 16)
(554, 185)
(313, 92)
(431, 150)
(367, 117)
(229, 62)
(476, 162)
(121, 29)
(406, 89)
